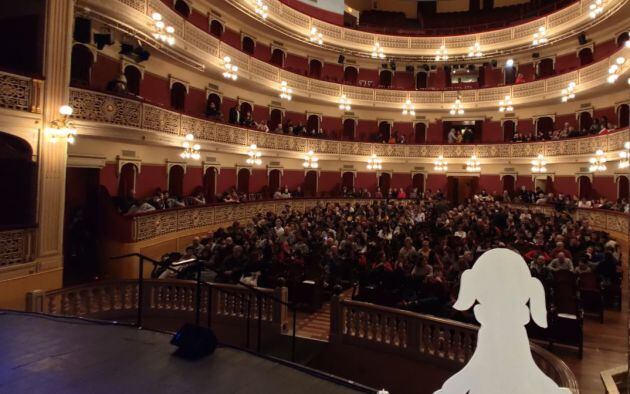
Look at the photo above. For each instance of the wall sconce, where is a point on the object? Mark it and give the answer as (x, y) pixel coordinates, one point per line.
(254, 155)
(310, 161)
(440, 165)
(63, 128)
(162, 32)
(286, 92)
(191, 151)
(316, 36)
(377, 51)
(625, 156)
(506, 105)
(539, 165)
(598, 162)
(230, 69)
(473, 164)
(261, 9)
(569, 92)
(408, 108)
(344, 103)
(374, 163)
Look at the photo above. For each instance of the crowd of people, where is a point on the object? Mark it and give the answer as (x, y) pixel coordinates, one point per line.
(598, 127)
(460, 136)
(409, 254)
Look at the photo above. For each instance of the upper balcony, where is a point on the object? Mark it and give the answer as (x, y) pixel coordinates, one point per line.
(560, 24)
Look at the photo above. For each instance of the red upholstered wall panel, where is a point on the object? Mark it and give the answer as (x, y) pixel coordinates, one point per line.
(259, 180)
(226, 180)
(292, 179)
(523, 180)
(404, 80)
(199, 20)
(527, 70)
(329, 181)
(150, 178)
(565, 185)
(525, 126)
(608, 112)
(435, 182)
(401, 180)
(332, 126)
(193, 178)
(261, 113)
(108, 179)
(366, 129)
(226, 104)
(567, 118)
(296, 63)
(262, 52)
(366, 180)
(567, 62)
(232, 38)
(195, 102)
(334, 71)
(104, 70)
(604, 49)
(435, 133)
(604, 186)
(492, 132)
(490, 183)
(368, 74)
(155, 89)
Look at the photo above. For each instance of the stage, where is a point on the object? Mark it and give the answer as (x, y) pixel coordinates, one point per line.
(42, 354)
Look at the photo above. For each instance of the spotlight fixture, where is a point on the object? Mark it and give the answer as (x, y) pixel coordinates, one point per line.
(261, 9)
(624, 156)
(286, 92)
(377, 51)
(440, 165)
(473, 164)
(230, 69)
(344, 103)
(509, 63)
(457, 108)
(540, 37)
(475, 50)
(598, 162)
(102, 40)
(63, 128)
(374, 163)
(441, 54)
(569, 92)
(539, 165)
(254, 155)
(316, 36)
(408, 108)
(310, 160)
(162, 32)
(191, 151)
(505, 105)
(596, 8)
(615, 69)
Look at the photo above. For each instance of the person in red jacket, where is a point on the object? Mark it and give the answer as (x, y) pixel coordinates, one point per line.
(401, 193)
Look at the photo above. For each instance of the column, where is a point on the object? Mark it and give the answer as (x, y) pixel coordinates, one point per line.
(53, 156)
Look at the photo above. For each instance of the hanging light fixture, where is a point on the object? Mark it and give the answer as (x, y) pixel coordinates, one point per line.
(162, 32)
(440, 165)
(377, 51)
(540, 37)
(598, 162)
(509, 63)
(441, 54)
(539, 165)
(286, 92)
(230, 69)
(316, 36)
(344, 103)
(261, 9)
(475, 50)
(505, 105)
(569, 92)
(596, 8)
(473, 164)
(624, 156)
(63, 128)
(408, 108)
(457, 108)
(374, 163)
(615, 69)
(191, 151)
(310, 160)
(254, 155)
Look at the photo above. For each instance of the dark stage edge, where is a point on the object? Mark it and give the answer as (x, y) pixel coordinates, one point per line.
(40, 354)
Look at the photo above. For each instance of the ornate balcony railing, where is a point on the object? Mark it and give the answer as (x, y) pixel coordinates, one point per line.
(422, 336)
(153, 224)
(105, 108)
(20, 93)
(116, 300)
(209, 51)
(16, 246)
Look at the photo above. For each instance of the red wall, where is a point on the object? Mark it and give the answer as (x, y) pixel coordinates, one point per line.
(492, 132)
(435, 182)
(490, 183)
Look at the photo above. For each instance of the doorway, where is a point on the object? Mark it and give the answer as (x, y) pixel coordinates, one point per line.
(461, 188)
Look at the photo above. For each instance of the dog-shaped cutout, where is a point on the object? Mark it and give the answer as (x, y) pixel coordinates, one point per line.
(502, 285)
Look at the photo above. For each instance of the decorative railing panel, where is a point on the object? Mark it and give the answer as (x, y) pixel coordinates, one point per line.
(424, 337)
(16, 92)
(120, 111)
(16, 246)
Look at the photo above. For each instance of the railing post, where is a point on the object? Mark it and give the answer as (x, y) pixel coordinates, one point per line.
(209, 307)
(35, 301)
(280, 313)
(335, 317)
(140, 291)
(198, 295)
(247, 321)
(259, 339)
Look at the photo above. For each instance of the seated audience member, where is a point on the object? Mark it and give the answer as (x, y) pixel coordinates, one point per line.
(198, 198)
(277, 195)
(520, 78)
(378, 193)
(235, 115)
(158, 200)
(212, 111)
(173, 201)
(401, 193)
(125, 204)
(298, 193)
(286, 193)
(402, 139)
(453, 136)
(140, 207)
(561, 263)
(582, 267)
(247, 120)
(468, 136)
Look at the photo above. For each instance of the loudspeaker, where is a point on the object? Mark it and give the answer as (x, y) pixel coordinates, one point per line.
(341, 59)
(102, 40)
(433, 67)
(426, 67)
(125, 49)
(392, 65)
(194, 342)
(535, 55)
(582, 38)
(142, 54)
(82, 30)
(494, 62)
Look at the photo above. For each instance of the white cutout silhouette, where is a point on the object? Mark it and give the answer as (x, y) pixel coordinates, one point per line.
(502, 363)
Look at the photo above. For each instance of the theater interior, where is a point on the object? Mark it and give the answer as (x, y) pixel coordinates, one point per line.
(286, 195)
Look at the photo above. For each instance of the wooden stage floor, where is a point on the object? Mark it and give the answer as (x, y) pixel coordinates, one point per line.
(54, 355)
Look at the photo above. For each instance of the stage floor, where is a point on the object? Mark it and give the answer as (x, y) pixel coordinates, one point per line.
(42, 354)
